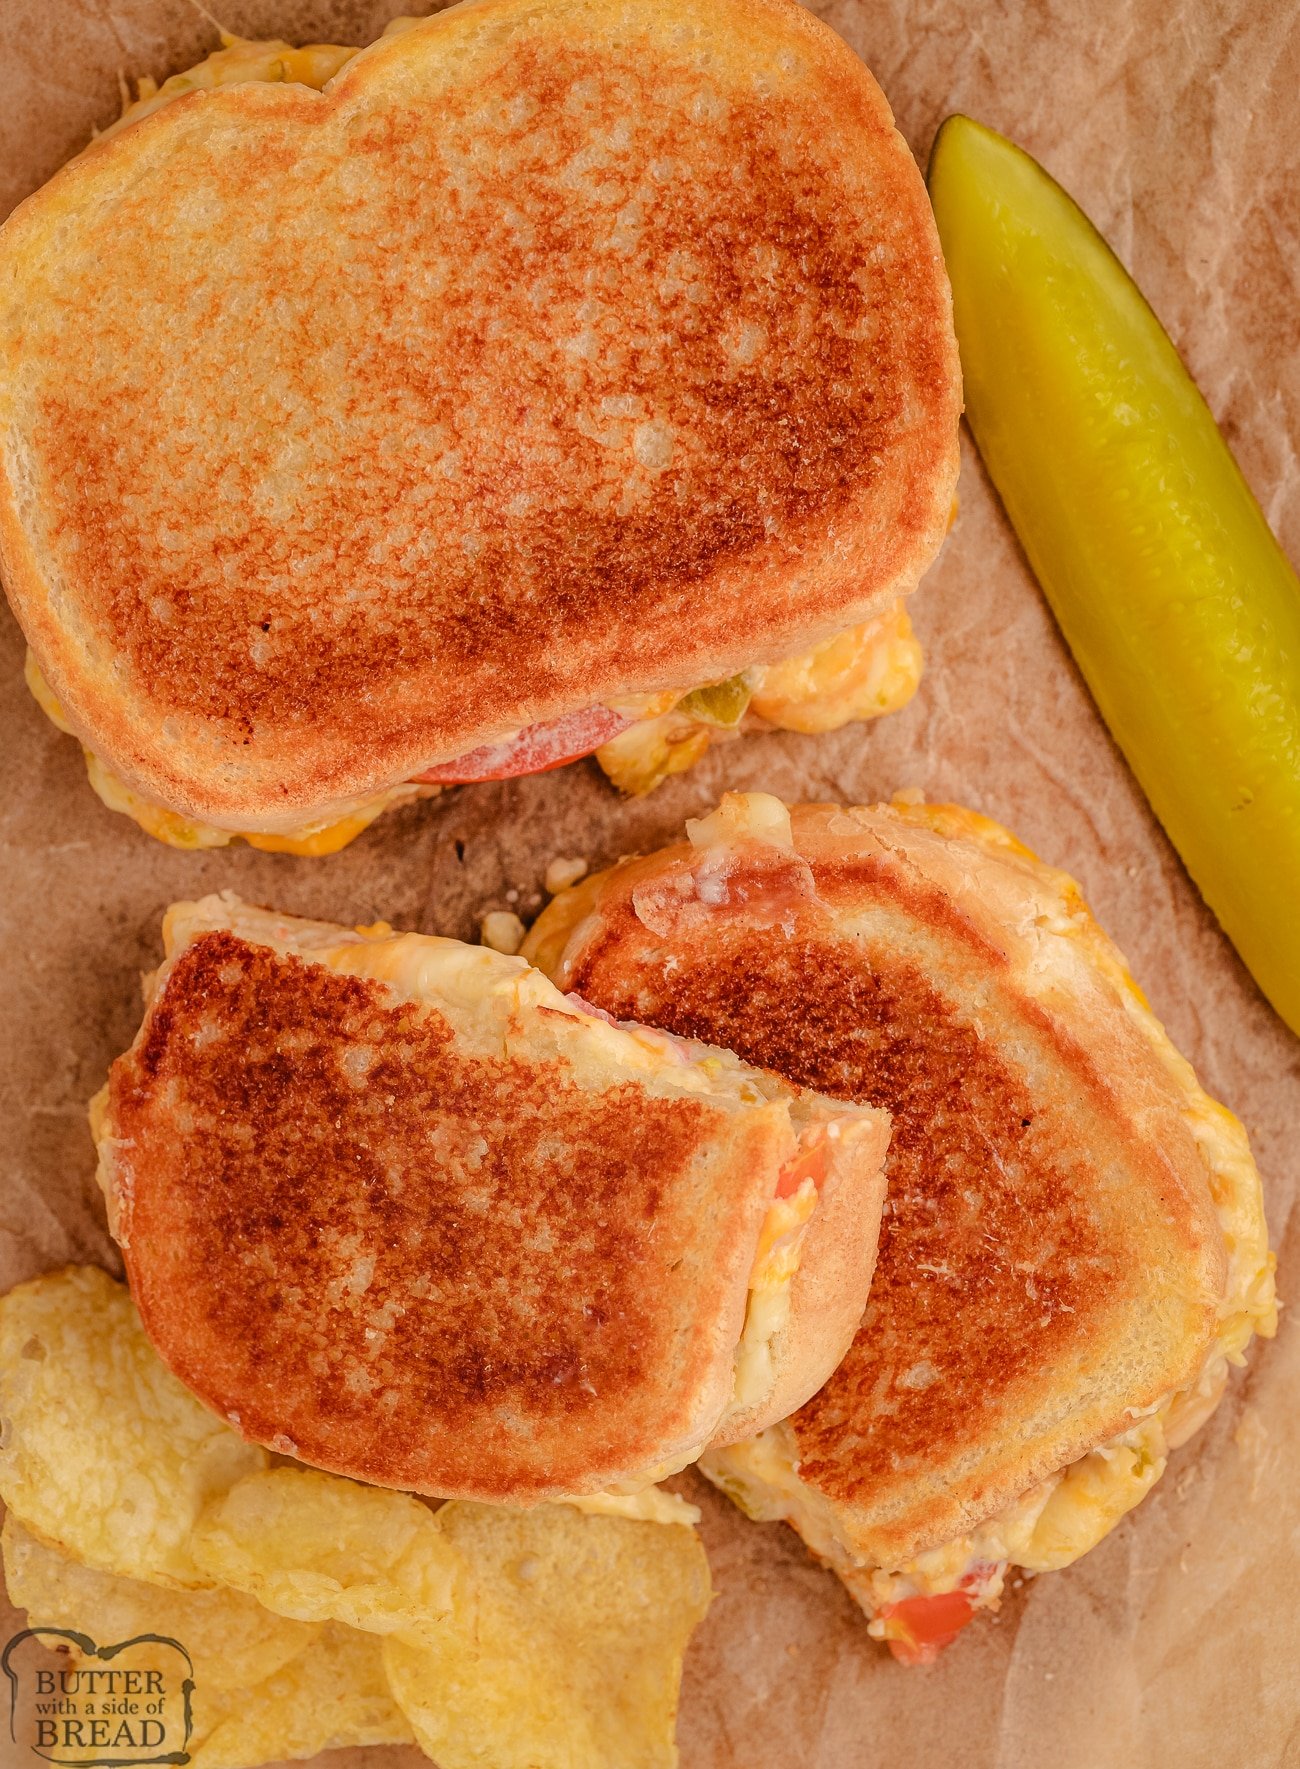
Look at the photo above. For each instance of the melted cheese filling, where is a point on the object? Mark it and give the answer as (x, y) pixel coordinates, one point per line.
(861, 674)
(654, 1505)
(240, 60)
(325, 836)
(864, 673)
(1057, 1521)
(767, 1311)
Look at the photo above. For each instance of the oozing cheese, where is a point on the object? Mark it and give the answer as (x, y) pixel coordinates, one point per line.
(649, 752)
(1061, 1518)
(241, 60)
(178, 831)
(654, 1505)
(860, 674)
(657, 745)
(312, 839)
(235, 63)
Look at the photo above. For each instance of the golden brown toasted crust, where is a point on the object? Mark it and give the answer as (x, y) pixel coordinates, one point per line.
(349, 431)
(462, 1275)
(1049, 1257)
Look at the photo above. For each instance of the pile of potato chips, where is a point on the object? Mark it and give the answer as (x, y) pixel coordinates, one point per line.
(318, 1612)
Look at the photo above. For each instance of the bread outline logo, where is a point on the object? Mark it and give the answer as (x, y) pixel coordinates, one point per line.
(109, 1708)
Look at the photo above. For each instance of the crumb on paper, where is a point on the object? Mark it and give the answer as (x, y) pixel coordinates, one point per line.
(1186, 1480)
(1251, 1435)
(502, 930)
(563, 872)
(1252, 1438)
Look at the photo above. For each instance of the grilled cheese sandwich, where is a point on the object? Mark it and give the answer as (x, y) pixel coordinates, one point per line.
(396, 1206)
(243, 665)
(1061, 1187)
(1057, 1520)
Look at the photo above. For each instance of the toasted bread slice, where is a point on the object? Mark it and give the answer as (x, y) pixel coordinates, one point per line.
(346, 432)
(1074, 1233)
(395, 1206)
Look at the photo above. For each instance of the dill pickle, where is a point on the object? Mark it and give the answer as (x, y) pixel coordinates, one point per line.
(1176, 600)
(723, 703)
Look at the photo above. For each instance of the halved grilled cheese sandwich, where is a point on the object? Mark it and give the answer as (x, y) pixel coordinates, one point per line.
(397, 1207)
(1074, 1248)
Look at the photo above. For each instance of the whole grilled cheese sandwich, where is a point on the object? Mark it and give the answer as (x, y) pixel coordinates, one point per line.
(566, 334)
(397, 1207)
(1074, 1248)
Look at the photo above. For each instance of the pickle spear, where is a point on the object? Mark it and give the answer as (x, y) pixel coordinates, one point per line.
(1178, 604)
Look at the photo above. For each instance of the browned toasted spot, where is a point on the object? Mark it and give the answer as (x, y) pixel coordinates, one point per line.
(846, 881)
(392, 1260)
(770, 447)
(519, 403)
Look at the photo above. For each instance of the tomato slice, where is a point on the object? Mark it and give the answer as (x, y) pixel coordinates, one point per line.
(925, 1625)
(535, 750)
(809, 1163)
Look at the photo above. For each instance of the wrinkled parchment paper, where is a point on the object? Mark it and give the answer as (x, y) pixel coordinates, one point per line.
(1177, 127)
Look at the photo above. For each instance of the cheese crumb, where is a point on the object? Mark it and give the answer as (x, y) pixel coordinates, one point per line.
(502, 930)
(743, 816)
(563, 872)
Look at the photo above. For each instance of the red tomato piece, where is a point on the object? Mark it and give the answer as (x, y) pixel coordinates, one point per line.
(809, 1163)
(926, 1625)
(534, 751)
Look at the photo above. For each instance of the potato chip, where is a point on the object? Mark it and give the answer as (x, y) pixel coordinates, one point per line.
(566, 1652)
(322, 1548)
(104, 1453)
(232, 1640)
(265, 1688)
(333, 1694)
